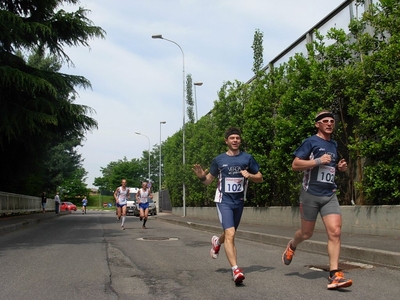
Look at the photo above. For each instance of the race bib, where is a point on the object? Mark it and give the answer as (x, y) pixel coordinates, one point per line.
(326, 174)
(234, 185)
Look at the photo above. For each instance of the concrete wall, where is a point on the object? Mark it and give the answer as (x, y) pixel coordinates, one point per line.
(14, 203)
(374, 220)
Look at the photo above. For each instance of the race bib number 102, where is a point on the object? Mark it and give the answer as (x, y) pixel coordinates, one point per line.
(234, 185)
(326, 174)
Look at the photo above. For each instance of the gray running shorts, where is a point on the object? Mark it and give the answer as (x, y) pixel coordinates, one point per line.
(311, 205)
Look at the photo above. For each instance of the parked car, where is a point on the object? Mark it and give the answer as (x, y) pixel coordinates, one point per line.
(67, 206)
(152, 207)
(134, 208)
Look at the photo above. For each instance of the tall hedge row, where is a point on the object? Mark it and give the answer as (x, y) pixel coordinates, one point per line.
(357, 77)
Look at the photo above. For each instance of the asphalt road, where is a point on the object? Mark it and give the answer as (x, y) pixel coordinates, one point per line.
(89, 257)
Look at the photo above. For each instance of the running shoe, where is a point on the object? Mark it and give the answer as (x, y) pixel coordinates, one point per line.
(144, 227)
(215, 247)
(338, 281)
(287, 256)
(122, 227)
(238, 276)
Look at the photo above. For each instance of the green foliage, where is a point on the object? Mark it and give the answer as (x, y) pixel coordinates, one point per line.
(201, 136)
(228, 110)
(257, 51)
(173, 167)
(356, 76)
(62, 165)
(96, 201)
(377, 138)
(189, 99)
(114, 172)
(74, 186)
(37, 112)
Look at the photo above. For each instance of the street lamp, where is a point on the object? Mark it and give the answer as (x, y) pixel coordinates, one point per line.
(149, 149)
(159, 36)
(159, 171)
(195, 97)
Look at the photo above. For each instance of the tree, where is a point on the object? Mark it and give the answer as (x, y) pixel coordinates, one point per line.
(74, 185)
(114, 172)
(60, 164)
(189, 98)
(173, 169)
(37, 110)
(375, 103)
(355, 75)
(258, 50)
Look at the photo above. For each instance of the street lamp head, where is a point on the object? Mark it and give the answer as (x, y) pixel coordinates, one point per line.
(163, 122)
(137, 132)
(157, 36)
(198, 83)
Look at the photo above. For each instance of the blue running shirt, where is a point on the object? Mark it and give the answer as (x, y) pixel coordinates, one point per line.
(319, 180)
(232, 186)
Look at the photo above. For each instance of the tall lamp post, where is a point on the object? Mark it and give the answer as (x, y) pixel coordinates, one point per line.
(149, 149)
(159, 36)
(159, 171)
(195, 97)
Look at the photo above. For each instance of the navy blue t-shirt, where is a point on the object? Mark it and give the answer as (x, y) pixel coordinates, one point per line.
(232, 186)
(319, 180)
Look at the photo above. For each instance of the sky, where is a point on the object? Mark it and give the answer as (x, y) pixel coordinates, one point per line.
(137, 81)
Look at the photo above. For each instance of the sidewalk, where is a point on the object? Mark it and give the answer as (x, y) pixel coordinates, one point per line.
(370, 249)
(15, 222)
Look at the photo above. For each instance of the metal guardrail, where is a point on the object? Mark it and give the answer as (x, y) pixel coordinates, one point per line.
(14, 203)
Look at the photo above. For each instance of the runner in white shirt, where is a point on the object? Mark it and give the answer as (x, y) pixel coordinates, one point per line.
(141, 197)
(121, 195)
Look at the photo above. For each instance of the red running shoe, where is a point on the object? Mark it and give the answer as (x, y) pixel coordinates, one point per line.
(238, 276)
(215, 247)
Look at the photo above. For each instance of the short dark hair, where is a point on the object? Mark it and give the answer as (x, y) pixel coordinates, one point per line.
(232, 130)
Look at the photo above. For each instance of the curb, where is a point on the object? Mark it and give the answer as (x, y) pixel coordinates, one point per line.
(364, 255)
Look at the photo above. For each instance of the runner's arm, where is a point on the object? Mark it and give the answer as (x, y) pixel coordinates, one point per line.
(256, 178)
(115, 195)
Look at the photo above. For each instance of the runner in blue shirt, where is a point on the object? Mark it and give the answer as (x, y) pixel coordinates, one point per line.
(84, 204)
(317, 157)
(234, 169)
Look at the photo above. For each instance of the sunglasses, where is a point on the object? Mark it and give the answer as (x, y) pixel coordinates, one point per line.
(327, 121)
